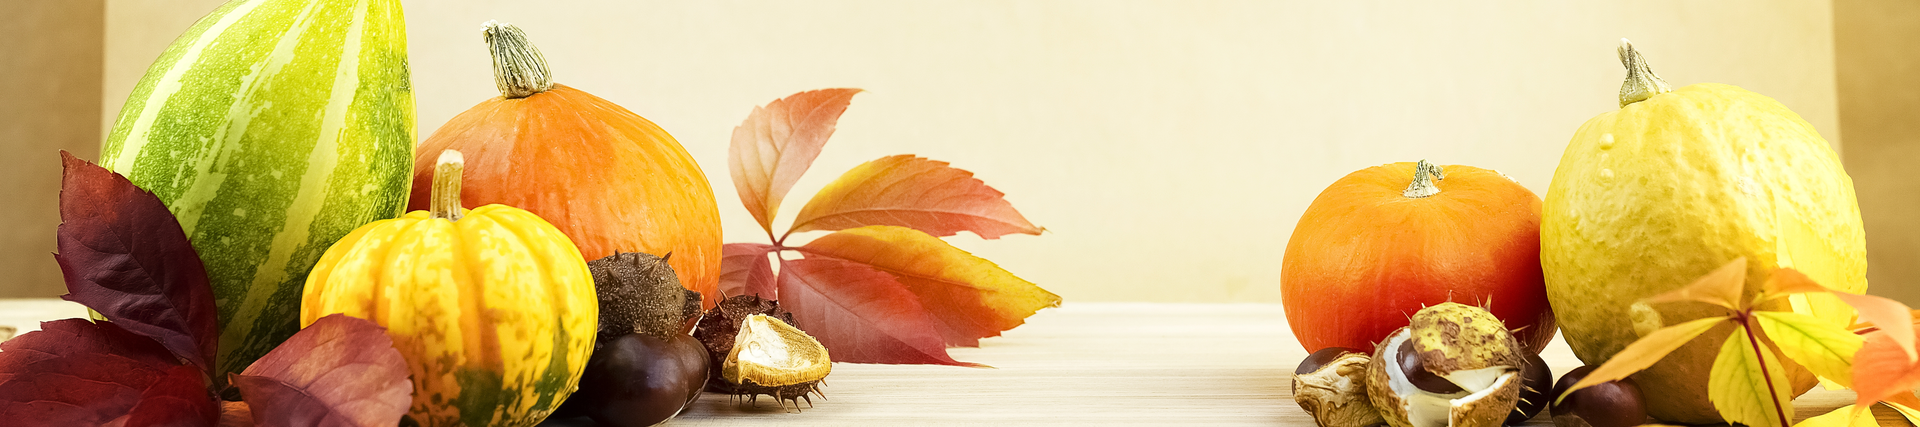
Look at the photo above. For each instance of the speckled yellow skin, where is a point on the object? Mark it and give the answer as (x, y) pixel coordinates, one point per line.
(495, 313)
(1652, 196)
(1453, 336)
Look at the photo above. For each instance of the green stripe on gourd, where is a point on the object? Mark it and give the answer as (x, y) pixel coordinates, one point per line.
(272, 128)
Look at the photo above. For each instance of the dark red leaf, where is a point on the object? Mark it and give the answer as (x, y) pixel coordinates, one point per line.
(124, 255)
(777, 143)
(861, 314)
(77, 372)
(746, 270)
(913, 192)
(339, 371)
(178, 398)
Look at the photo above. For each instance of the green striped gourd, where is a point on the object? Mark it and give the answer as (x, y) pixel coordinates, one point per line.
(272, 128)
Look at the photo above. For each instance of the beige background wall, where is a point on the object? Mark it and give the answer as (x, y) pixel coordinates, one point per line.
(1877, 44)
(1168, 146)
(51, 101)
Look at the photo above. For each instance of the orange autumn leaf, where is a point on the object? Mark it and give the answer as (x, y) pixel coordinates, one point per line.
(879, 289)
(1645, 352)
(1720, 287)
(745, 270)
(860, 314)
(969, 297)
(777, 143)
(1891, 316)
(914, 192)
(1881, 369)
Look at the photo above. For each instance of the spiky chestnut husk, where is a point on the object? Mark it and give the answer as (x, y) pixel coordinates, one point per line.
(638, 293)
(717, 331)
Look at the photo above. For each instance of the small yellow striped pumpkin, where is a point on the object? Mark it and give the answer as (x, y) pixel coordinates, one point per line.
(493, 308)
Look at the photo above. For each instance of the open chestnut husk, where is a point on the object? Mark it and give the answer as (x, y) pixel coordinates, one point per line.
(1615, 403)
(1454, 365)
(1330, 385)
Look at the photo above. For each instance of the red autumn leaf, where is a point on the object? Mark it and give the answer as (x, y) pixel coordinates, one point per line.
(777, 143)
(860, 314)
(914, 192)
(746, 270)
(75, 372)
(124, 255)
(178, 398)
(339, 371)
(969, 297)
(1881, 369)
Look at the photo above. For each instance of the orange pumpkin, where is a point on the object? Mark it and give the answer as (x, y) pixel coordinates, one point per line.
(606, 177)
(1383, 242)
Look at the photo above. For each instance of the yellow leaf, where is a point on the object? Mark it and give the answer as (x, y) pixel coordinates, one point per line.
(1889, 315)
(1843, 417)
(970, 298)
(1823, 348)
(1721, 287)
(1740, 388)
(1644, 352)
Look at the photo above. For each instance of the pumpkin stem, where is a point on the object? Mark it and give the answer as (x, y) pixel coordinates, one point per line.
(1424, 174)
(1641, 82)
(518, 68)
(444, 201)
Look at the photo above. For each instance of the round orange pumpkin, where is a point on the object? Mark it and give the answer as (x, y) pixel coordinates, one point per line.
(1383, 242)
(606, 177)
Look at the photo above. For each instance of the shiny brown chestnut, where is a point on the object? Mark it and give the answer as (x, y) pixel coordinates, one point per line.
(1610, 404)
(639, 380)
(1536, 380)
(1417, 373)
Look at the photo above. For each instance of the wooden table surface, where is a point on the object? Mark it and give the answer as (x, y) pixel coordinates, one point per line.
(1082, 363)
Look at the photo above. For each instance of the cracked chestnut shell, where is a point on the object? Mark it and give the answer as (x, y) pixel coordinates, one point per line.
(1330, 385)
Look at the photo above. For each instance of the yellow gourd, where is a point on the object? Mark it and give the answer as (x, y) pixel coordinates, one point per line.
(1673, 185)
(493, 308)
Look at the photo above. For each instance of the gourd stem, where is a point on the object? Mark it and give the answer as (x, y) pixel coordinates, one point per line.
(444, 201)
(1424, 174)
(1641, 82)
(518, 68)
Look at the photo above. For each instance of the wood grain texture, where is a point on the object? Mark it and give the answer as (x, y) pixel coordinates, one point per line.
(1082, 363)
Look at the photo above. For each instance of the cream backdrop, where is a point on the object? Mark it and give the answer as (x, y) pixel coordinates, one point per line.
(1168, 146)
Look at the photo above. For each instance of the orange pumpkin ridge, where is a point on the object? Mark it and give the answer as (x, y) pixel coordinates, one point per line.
(1367, 254)
(606, 177)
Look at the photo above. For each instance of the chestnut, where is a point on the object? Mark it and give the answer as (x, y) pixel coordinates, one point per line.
(639, 380)
(1320, 359)
(1330, 385)
(1610, 404)
(1535, 381)
(1417, 373)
